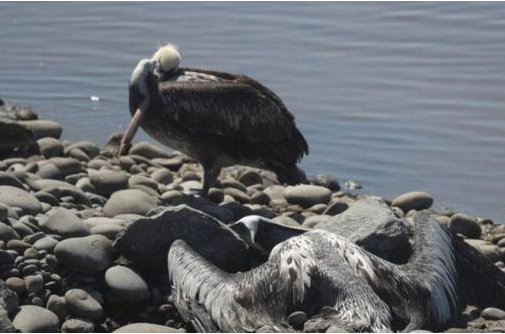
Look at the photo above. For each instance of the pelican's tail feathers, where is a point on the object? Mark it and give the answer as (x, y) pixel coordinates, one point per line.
(433, 265)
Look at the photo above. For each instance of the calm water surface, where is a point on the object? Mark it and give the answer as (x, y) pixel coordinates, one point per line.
(397, 96)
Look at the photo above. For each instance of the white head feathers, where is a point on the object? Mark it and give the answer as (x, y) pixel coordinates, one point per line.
(167, 57)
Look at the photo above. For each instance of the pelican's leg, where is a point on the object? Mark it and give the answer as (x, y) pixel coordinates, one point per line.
(209, 179)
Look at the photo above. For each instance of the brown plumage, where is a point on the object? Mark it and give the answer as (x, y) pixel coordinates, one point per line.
(219, 119)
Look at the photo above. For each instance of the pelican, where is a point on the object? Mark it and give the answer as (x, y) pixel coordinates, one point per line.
(326, 276)
(217, 118)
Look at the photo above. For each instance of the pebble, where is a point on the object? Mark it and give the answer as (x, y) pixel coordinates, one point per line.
(493, 313)
(58, 305)
(50, 147)
(83, 305)
(416, 200)
(144, 327)
(89, 148)
(86, 254)
(45, 243)
(67, 166)
(16, 284)
(162, 175)
(307, 195)
(250, 177)
(50, 171)
(76, 325)
(7, 233)
(34, 283)
(15, 197)
(129, 201)
(43, 128)
(8, 179)
(215, 195)
(297, 319)
(126, 284)
(66, 223)
(336, 207)
(466, 225)
(148, 150)
(36, 319)
(107, 182)
(108, 230)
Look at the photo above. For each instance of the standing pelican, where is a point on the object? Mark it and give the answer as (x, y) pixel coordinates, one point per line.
(218, 118)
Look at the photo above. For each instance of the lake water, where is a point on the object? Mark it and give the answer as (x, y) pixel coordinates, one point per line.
(397, 96)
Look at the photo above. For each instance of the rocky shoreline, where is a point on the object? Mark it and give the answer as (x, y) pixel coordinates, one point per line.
(80, 244)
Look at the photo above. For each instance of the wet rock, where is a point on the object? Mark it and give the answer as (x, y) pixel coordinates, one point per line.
(216, 195)
(307, 195)
(129, 201)
(493, 313)
(127, 284)
(43, 128)
(15, 197)
(416, 200)
(466, 225)
(4, 212)
(327, 181)
(35, 319)
(87, 254)
(148, 150)
(146, 241)
(107, 182)
(75, 325)
(370, 223)
(66, 223)
(83, 305)
(144, 327)
(297, 319)
(50, 147)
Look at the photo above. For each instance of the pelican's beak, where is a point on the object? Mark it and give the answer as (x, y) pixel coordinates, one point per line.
(132, 129)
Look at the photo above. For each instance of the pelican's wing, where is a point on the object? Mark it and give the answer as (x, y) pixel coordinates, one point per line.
(239, 109)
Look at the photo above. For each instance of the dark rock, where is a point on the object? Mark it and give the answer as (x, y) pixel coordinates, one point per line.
(66, 223)
(13, 134)
(87, 254)
(336, 207)
(416, 200)
(129, 201)
(15, 197)
(250, 177)
(370, 223)
(4, 212)
(34, 283)
(107, 182)
(83, 305)
(7, 179)
(146, 241)
(67, 166)
(297, 319)
(307, 195)
(127, 284)
(35, 319)
(466, 225)
(7, 233)
(58, 305)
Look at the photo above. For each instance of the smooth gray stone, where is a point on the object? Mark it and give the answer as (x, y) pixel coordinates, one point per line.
(76, 325)
(148, 150)
(307, 195)
(43, 128)
(144, 327)
(64, 222)
(45, 243)
(415, 200)
(91, 149)
(107, 181)
(297, 319)
(129, 201)
(36, 319)
(7, 233)
(15, 197)
(163, 175)
(4, 212)
(146, 241)
(127, 284)
(466, 225)
(34, 283)
(50, 171)
(82, 304)
(89, 254)
(50, 147)
(493, 313)
(8, 179)
(58, 305)
(370, 223)
(108, 230)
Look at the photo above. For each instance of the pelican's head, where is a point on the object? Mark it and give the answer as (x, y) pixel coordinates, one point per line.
(142, 82)
(167, 60)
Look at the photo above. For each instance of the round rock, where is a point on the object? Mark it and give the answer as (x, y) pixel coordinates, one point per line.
(75, 325)
(36, 319)
(297, 319)
(107, 182)
(129, 201)
(307, 195)
(416, 200)
(83, 305)
(493, 313)
(126, 284)
(144, 327)
(466, 225)
(66, 223)
(50, 147)
(89, 254)
(15, 197)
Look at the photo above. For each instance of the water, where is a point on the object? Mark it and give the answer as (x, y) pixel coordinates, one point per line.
(397, 96)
